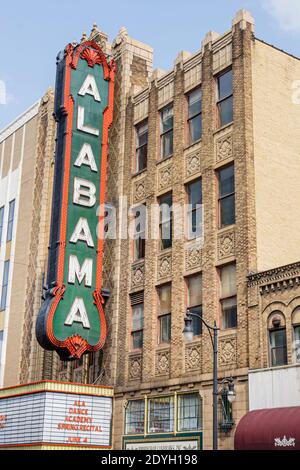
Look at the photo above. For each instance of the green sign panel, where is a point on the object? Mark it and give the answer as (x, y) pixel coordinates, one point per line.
(72, 319)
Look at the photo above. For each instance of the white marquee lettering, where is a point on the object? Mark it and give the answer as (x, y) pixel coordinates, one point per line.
(81, 126)
(78, 314)
(89, 87)
(82, 232)
(86, 157)
(80, 272)
(84, 193)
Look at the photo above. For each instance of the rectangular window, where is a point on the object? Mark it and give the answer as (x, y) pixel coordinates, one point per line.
(140, 215)
(137, 326)
(226, 196)
(161, 415)
(195, 221)
(297, 343)
(141, 150)
(165, 221)
(278, 348)
(164, 313)
(225, 98)
(166, 132)
(194, 284)
(228, 296)
(189, 412)
(4, 286)
(195, 115)
(1, 343)
(1, 223)
(10, 225)
(135, 417)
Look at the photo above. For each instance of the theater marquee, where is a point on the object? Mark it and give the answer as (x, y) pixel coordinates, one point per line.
(71, 319)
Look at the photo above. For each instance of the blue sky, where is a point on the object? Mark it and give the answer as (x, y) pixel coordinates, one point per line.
(33, 31)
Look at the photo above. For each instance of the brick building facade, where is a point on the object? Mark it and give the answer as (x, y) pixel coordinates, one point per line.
(212, 131)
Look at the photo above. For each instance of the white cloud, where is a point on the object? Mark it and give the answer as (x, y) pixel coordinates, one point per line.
(285, 12)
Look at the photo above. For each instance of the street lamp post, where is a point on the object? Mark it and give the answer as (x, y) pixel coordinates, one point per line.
(213, 332)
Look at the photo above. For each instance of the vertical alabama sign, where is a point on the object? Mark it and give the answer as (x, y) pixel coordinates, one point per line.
(71, 319)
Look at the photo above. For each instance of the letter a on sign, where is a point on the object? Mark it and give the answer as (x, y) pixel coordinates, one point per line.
(78, 314)
(89, 87)
(86, 157)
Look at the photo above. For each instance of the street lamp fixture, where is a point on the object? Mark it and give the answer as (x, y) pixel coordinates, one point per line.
(230, 392)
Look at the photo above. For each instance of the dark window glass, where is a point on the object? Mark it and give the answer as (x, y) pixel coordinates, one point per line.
(165, 328)
(137, 326)
(4, 285)
(195, 213)
(161, 415)
(165, 223)
(225, 98)
(135, 417)
(278, 347)
(194, 284)
(227, 196)
(228, 296)
(195, 115)
(141, 146)
(189, 412)
(140, 215)
(164, 313)
(166, 131)
(1, 222)
(10, 225)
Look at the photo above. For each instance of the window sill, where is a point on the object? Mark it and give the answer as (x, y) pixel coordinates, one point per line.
(226, 227)
(222, 128)
(138, 173)
(161, 160)
(189, 146)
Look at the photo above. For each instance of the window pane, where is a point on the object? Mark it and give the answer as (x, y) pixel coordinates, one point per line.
(227, 209)
(225, 85)
(278, 348)
(164, 299)
(226, 181)
(229, 313)
(138, 317)
(166, 119)
(189, 412)
(226, 111)
(228, 281)
(195, 128)
(195, 193)
(166, 221)
(167, 144)
(10, 225)
(196, 321)
(297, 343)
(4, 285)
(194, 290)
(195, 102)
(141, 146)
(142, 134)
(141, 158)
(165, 328)
(137, 340)
(1, 222)
(135, 417)
(161, 415)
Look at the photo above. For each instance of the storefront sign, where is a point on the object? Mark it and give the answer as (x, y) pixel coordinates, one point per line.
(47, 417)
(72, 319)
(166, 445)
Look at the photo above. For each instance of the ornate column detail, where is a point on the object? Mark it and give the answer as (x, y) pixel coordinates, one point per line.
(224, 148)
(193, 357)
(193, 256)
(139, 189)
(228, 351)
(135, 367)
(164, 177)
(162, 363)
(164, 266)
(192, 163)
(226, 245)
(137, 275)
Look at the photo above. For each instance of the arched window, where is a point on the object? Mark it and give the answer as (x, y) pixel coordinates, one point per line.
(277, 338)
(296, 334)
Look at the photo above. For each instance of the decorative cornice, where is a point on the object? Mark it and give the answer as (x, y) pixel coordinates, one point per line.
(20, 121)
(283, 277)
